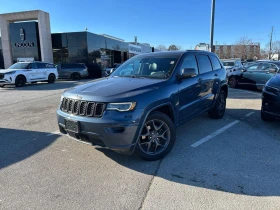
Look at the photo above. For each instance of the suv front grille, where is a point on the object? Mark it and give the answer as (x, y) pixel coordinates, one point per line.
(82, 108)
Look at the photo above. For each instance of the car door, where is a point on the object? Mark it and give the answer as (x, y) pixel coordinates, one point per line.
(206, 80)
(247, 76)
(32, 73)
(42, 71)
(189, 91)
(264, 74)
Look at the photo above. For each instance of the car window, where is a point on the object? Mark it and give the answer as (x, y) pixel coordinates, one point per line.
(225, 63)
(274, 66)
(266, 66)
(41, 65)
(204, 64)
(215, 62)
(189, 62)
(253, 67)
(49, 65)
(32, 66)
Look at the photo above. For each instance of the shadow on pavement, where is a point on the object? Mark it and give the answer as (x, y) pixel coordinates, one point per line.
(17, 145)
(43, 86)
(242, 160)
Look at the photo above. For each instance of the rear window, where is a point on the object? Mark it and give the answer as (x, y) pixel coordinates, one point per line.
(41, 65)
(204, 64)
(215, 62)
(72, 66)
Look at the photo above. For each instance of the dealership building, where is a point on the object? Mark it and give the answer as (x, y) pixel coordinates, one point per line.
(27, 36)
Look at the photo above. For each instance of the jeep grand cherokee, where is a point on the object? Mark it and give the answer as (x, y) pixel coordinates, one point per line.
(138, 107)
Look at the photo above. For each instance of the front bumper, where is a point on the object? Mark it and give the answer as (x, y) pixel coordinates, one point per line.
(271, 103)
(114, 130)
(6, 82)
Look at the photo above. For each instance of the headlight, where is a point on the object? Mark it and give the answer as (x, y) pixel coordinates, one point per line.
(11, 72)
(122, 107)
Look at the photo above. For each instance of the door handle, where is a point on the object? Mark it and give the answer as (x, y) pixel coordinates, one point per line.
(199, 80)
(216, 75)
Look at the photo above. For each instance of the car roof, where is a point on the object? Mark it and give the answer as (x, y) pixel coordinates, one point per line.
(177, 53)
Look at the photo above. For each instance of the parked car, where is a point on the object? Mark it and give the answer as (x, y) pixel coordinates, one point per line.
(271, 99)
(138, 107)
(110, 70)
(232, 65)
(28, 72)
(74, 71)
(255, 75)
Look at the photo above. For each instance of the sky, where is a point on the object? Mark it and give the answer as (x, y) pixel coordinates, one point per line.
(180, 22)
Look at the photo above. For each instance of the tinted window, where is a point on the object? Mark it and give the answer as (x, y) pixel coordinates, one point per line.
(32, 66)
(253, 67)
(204, 64)
(228, 63)
(49, 65)
(72, 66)
(215, 62)
(189, 62)
(41, 65)
(266, 66)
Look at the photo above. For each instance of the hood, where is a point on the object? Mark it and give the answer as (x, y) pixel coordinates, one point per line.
(3, 71)
(113, 88)
(274, 81)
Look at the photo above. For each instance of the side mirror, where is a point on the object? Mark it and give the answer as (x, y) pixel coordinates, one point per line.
(187, 73)
(272, 70)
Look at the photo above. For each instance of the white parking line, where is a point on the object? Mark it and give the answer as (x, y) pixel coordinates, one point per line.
(212, 135)
(249, 114)
(54, 133)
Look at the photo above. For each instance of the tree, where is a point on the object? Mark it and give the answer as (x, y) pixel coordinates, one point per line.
(161, 47)
(275, 49)
(174, 47)
(241, 48)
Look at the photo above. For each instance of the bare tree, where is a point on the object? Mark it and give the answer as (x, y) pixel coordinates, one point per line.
(271, 49)
(161, 47)
(173, 47)
(241, 48)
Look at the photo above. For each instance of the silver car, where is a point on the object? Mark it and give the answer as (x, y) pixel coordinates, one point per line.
(232, 65)
(73, 71)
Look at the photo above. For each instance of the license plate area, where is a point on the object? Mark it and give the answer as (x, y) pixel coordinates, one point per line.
(72, 126)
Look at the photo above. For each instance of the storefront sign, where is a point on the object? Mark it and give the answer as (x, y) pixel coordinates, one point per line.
(23, 37)
(134, 49)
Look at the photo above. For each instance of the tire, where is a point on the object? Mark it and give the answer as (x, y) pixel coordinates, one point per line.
(218, 111)
(75, 76)
(51, 78)
(20, 81)
(266, 117)
(233, 82)
(1, 86)
(157, 137)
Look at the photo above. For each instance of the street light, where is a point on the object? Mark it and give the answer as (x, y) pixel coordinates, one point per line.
(212, 25)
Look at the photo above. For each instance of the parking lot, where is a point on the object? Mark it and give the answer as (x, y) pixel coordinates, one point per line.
(232, 163)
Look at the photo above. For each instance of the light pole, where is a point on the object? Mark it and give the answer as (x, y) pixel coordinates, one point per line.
(212, 25)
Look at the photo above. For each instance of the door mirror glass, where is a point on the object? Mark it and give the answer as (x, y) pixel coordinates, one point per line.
(188, 73)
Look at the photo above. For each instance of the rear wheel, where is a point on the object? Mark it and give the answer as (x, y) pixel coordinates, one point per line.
(1, 86)
(218, 111)
(75, 76)
(266, 117)
(20, 81)
(157, 137)
(51, 78)
(233, 82)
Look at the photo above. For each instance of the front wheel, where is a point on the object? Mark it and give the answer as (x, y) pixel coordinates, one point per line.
(20, 81)
(157, 137)
(75, 76)
(51, 78)
(218, 111)
(233, 82)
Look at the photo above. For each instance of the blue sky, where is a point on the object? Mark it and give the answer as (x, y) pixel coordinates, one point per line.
(180, 22)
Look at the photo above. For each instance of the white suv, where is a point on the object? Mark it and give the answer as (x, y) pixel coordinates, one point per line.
(23, 72)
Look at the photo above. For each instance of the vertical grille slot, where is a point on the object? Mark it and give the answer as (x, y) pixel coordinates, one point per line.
(76, 107)
(99, 109)
(90, 109)
(83, 108)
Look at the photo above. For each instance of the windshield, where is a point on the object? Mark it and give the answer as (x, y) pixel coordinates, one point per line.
(147, 66)
(19, 66)
(228, 63)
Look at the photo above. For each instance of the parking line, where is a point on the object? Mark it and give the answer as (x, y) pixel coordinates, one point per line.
(249, 114)
(212, 135)
(54, 133)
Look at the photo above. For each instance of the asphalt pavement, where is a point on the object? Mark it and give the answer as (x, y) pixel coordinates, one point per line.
(232, 163)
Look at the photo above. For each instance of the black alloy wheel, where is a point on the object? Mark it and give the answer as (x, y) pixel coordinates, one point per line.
(51, 78)
(20, 81)
(218, 111)
(75, 76)
(232, 82)
(157, 137)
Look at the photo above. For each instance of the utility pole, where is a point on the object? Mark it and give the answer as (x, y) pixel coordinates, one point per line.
(212, 25)
(270, 43)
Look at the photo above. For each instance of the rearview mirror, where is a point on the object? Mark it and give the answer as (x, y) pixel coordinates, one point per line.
(187, 73)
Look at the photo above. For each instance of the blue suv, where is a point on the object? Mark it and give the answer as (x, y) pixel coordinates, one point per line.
(138, 107)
